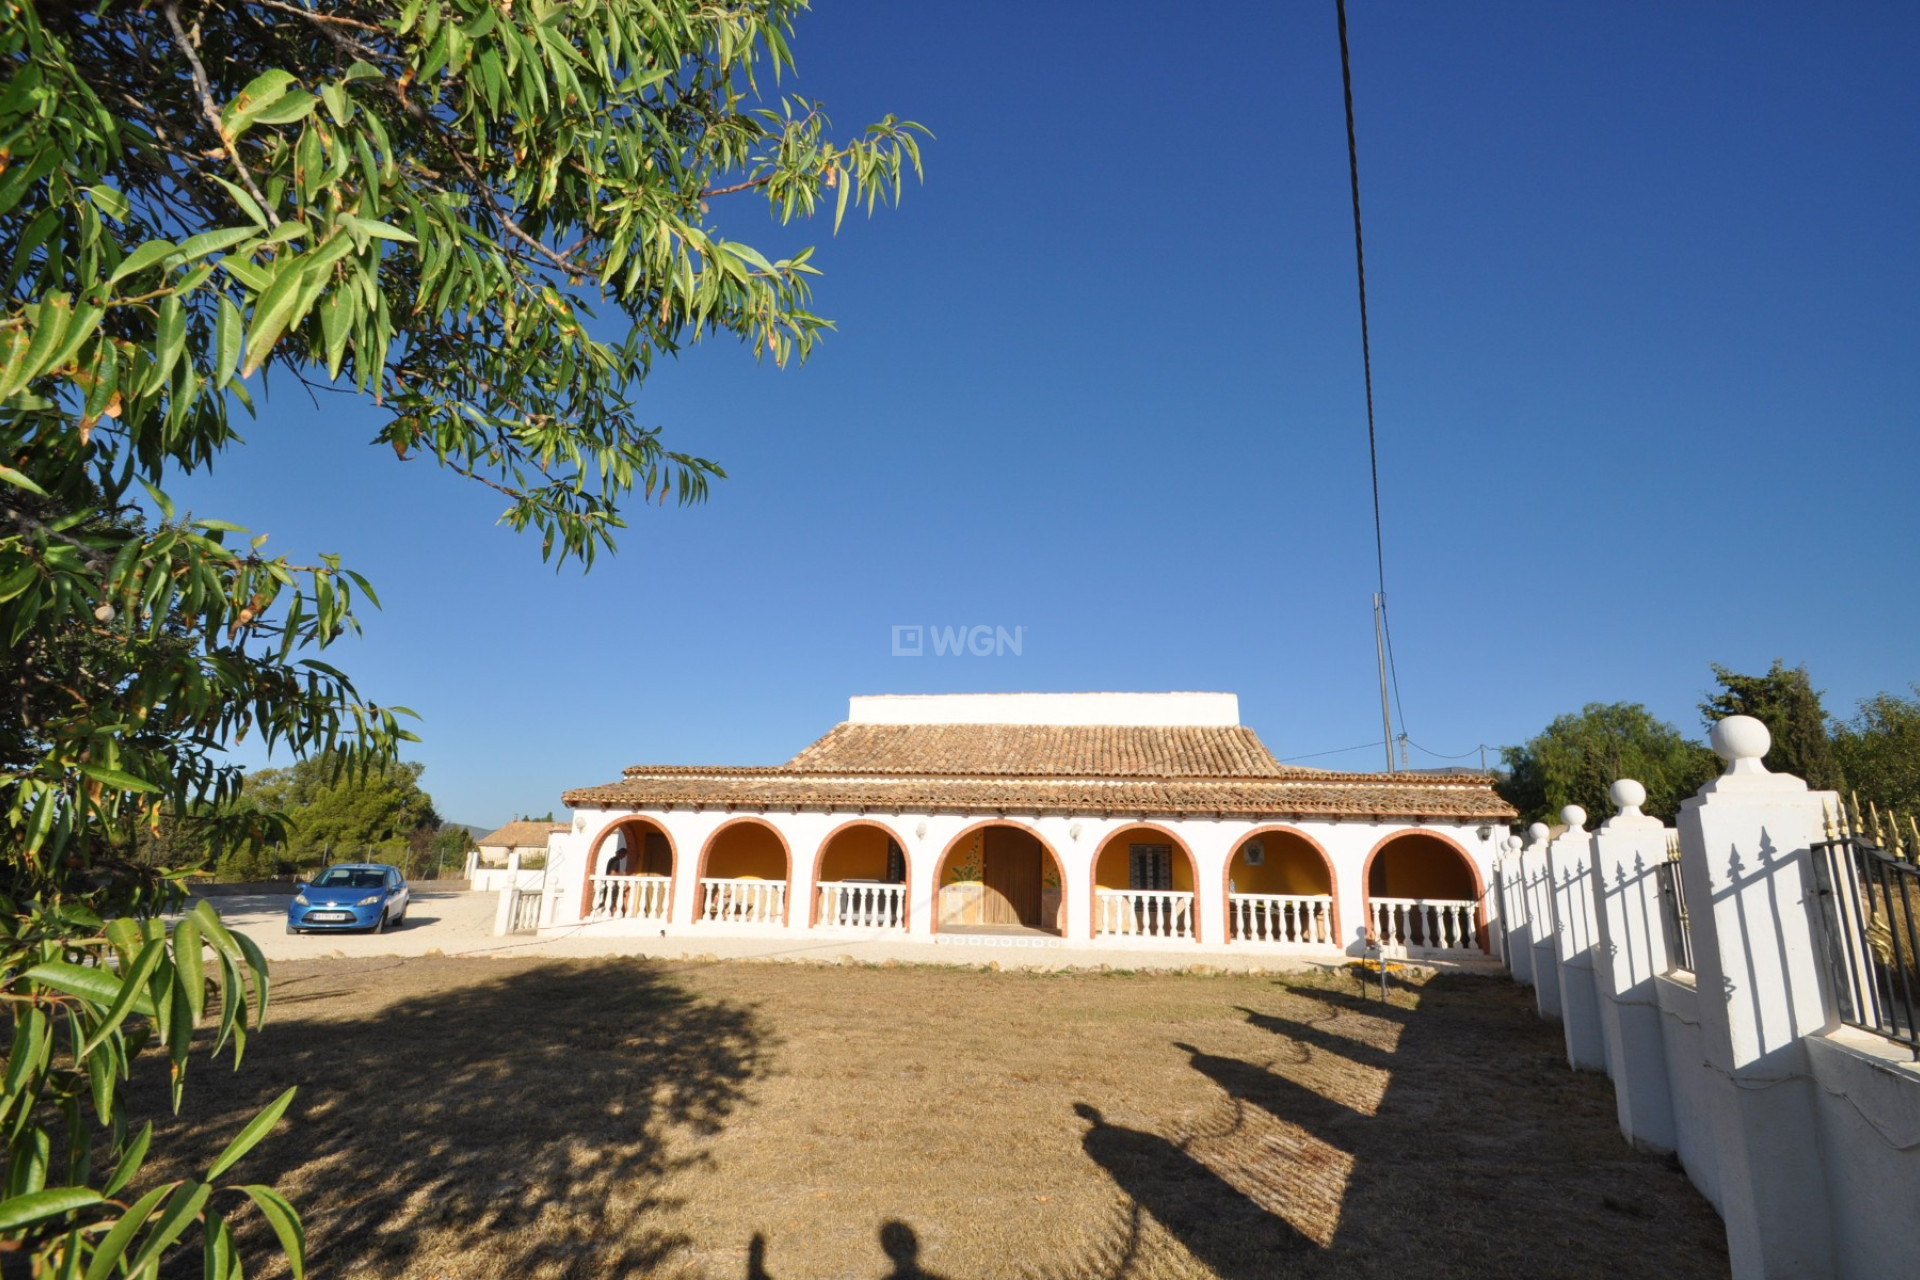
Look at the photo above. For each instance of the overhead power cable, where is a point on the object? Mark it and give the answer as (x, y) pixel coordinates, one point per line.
(1315, 755)
(1366, 362)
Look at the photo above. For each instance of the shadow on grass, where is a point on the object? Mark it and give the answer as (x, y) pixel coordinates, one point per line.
(1475, 1162)
(529, 1120)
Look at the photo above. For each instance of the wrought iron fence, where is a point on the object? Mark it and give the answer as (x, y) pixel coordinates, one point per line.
(1673, 904)
(1870, 902)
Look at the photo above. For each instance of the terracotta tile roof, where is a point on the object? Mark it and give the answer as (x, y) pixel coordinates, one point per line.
(1041, 750)
(1051, 769)
(522, 835)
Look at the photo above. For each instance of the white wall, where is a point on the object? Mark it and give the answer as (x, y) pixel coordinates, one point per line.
(1076, 841)
(1802, 1132)
(1116, 709)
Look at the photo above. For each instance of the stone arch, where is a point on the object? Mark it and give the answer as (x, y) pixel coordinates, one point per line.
(1288, 874)
(744, 858)
(1046, 848)
(1456, 876)
(634, 824)
(1111, 845)
(820, 864)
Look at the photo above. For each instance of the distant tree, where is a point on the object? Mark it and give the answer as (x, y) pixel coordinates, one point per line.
(1878, 751)
(335, 813)
(1577, 758)
(1784, 700)
(449, 848)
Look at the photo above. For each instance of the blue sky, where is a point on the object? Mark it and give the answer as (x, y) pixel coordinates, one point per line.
(1645, 300)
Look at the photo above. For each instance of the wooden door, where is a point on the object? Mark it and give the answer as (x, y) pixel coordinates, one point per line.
(1011, 870)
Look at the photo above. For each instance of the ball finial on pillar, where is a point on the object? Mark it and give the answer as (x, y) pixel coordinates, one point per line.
(1538, 833)
(1628, 796)
(1741, 741)
(1574, 816)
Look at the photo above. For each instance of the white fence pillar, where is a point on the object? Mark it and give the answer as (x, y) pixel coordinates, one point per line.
(1570, 868)
(503, 913)
(1514, 926)
(1746, 866)
(1627, 852)
(1538, 885)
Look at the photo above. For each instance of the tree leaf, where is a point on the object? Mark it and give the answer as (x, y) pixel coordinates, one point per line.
(107, 1254)
(130, 1161)
(194, 248)
(96, 985)
(140, 259)
(117, 780)
(188, 960)
(182, 1208)
(38, 1206)
(226, 341)
(249, 1137)
(285, 1223)
(20, 481)
(132, 992)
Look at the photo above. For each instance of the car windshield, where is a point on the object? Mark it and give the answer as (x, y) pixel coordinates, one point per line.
(350, 878)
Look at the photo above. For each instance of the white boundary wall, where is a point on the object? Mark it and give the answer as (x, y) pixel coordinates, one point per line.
(1804, 1133)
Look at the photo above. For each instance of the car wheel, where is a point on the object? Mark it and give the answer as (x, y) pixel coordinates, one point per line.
(380, 925)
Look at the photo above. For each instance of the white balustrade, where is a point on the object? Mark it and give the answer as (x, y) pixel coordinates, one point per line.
(631, 897)
(524, 915)
(862, 905)
(744, 901)
(1424, 924)
(1143, 913)
(1280, 917)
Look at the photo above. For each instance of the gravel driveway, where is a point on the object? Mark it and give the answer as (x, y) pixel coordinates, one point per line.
(446, 920)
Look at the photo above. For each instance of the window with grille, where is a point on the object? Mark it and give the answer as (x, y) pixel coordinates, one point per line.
(896, 863)
(1150, 866)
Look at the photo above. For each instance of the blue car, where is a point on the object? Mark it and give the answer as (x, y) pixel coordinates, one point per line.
(353, 895)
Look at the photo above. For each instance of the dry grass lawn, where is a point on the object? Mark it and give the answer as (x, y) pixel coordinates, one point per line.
(490, 1118)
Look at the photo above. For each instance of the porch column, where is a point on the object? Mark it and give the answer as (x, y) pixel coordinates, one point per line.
(1212, 845)
(1570, 865)
(1746, 863)
(923, 894)
(1627, 852)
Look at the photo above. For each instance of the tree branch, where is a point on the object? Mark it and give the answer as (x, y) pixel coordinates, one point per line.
(738, 186)
(205, 90)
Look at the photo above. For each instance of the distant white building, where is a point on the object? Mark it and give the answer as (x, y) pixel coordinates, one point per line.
(1109, 819)
(520, 842)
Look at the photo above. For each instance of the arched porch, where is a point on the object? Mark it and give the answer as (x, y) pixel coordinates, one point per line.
(630, 873)
(861, 876)
(1424, 894)
(1143, 885)
(744, 870)
(1281, 888)
(999, 877)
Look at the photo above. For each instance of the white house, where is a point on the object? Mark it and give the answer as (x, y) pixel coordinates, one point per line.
(1108, 819)
(498, 856)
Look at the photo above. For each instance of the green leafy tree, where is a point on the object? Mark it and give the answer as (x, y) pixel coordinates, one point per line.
(332, 811)
(448, 850)
(1784, 700)
(1578, 758)
(487, 221)
(1878, 751)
